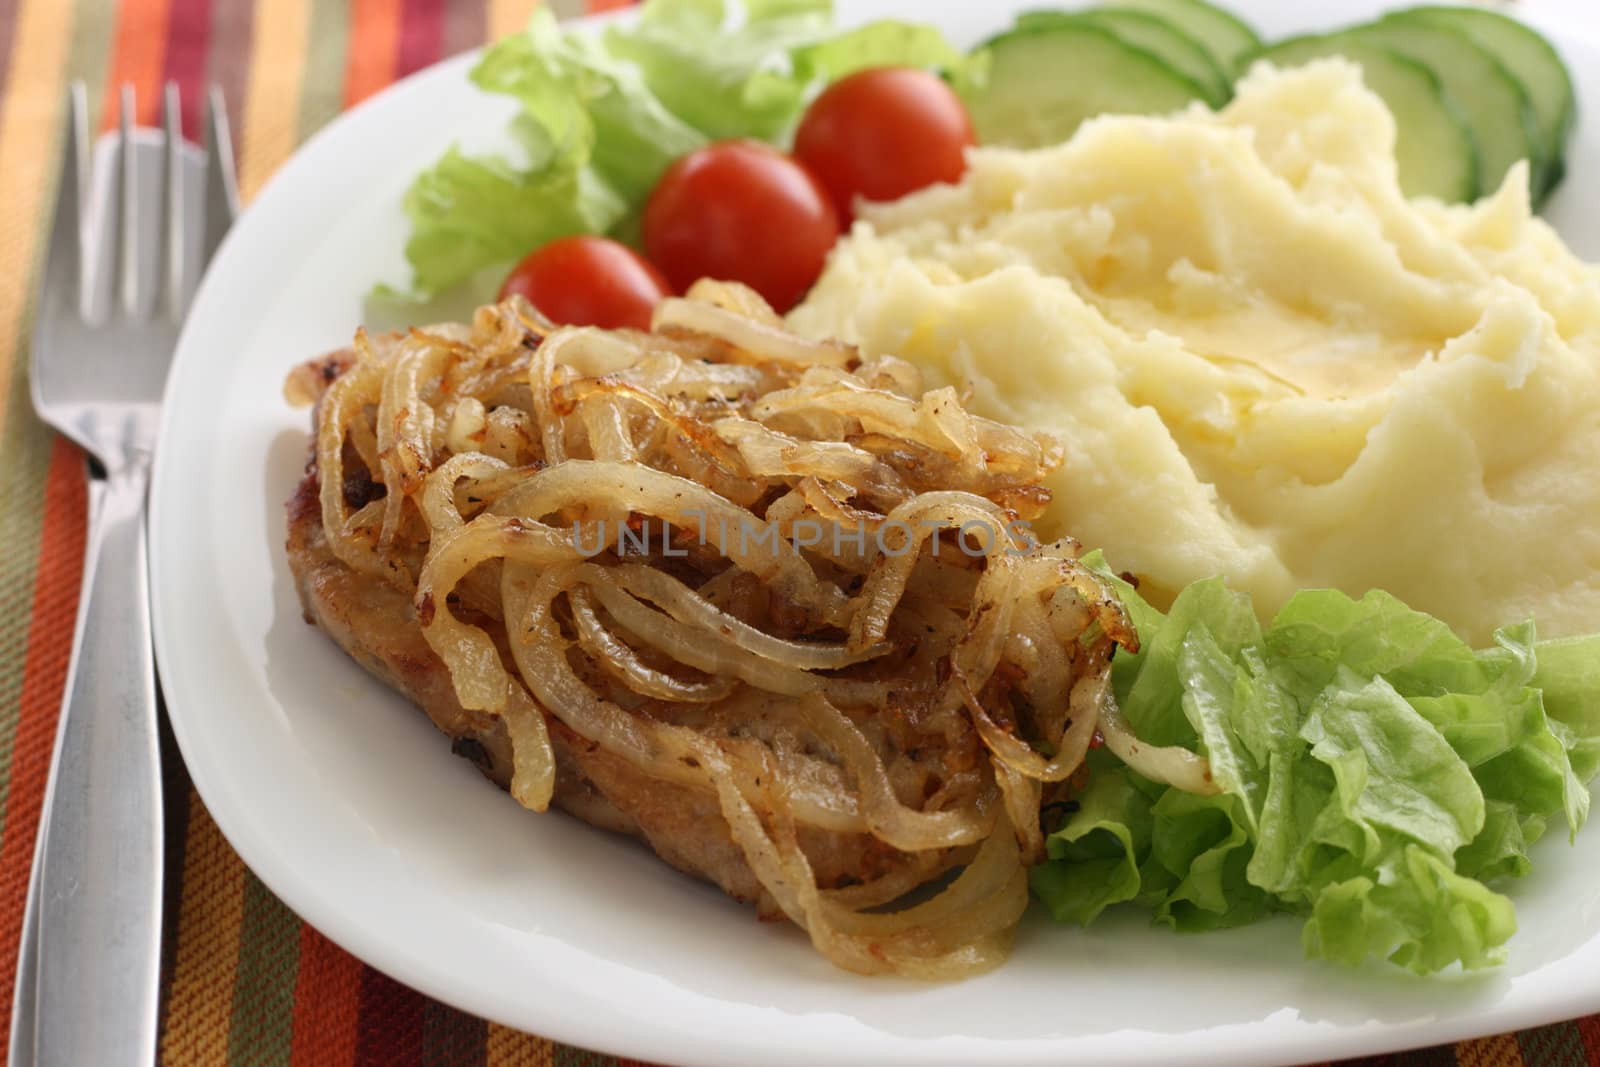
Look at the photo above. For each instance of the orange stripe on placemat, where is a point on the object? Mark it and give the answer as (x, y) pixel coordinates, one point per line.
(206, 963)
(272, 103)
(1501, 1050)
(513, 1048)
(188, 42)
(138, 58)
(374, 48)
(509, 16)
(55, 605)
(28, 128)
(326, 994)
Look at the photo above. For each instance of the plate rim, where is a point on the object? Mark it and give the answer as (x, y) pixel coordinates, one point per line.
(617, 1035)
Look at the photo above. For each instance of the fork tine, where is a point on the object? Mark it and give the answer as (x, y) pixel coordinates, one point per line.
(222, 189)
(128, 194)
(175, 290)
(64, 269)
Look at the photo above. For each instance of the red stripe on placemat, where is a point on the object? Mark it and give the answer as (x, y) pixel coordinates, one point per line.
(10, 13)
(389, 1026)
(594, 7)
(421, 35)
(346, 1013)
(137, 59)
(451, 1038)
(227, 62)
(465, 26)
(55, 607)
(326, 994)
(1589, 1031)
(188, 40)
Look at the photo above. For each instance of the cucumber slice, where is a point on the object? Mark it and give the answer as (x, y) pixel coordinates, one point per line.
(1222, 32)
(1152, 33)
(1534, 62)
(1044, 82)
(1493, 102)
(1434, 146)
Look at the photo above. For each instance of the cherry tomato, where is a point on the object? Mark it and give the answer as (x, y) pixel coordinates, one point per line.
(741, 211)
(589, 281)
(882, 133)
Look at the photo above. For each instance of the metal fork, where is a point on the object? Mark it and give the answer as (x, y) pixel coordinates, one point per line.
(117, 283)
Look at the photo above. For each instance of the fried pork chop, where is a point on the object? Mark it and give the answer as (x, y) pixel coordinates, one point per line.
(817, 725)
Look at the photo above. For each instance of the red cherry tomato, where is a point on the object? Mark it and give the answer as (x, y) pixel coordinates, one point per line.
(741, 211)
(880, 134)
(589, 281)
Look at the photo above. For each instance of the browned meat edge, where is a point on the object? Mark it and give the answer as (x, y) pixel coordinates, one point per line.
(376, 624)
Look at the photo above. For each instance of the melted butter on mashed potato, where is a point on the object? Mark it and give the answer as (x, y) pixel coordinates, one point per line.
(1263, 361)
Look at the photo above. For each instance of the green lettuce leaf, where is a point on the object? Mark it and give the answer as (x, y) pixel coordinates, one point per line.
(1501, 848)
(1376, 773)
(762, 70)
(590, 108)
(1568, 677)
(601, 117)
(1097, 849)
(1153, 701)
(886, 43)
(1419, 913)
(1320, 630)
(1199, 855)
(468, 213)
(724, 82)
(1215, 690)
(1393, 772)
(593, 140)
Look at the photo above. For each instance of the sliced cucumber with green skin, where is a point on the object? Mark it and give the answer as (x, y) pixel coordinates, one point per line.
(1534, 62)
(1044, 82)
(1494, 103)
(1221, 32)
(1152, 33)
(1434, 147)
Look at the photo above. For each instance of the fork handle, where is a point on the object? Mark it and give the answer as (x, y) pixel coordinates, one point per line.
(99, 957)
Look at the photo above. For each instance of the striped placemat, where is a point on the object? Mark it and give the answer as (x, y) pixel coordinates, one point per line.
(246, 982)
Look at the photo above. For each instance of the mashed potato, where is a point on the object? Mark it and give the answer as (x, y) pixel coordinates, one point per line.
(1263, 361)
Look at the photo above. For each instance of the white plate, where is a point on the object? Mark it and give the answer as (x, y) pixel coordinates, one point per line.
(349, 806)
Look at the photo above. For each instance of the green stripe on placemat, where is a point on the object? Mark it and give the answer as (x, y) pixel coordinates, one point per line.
(567, 1056)
(322, 94)
(25, 446)
(263, 996)
(1553, 1046)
